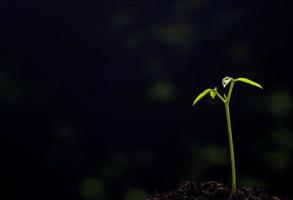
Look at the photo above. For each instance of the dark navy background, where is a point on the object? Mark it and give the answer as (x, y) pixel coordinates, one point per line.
(95, 96)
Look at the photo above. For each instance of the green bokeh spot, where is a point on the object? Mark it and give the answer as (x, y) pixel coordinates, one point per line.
(280, 103)
(161, 92)
(215, 154)
(176, 34)
(91, 188)
(135, 194)
(277, 160)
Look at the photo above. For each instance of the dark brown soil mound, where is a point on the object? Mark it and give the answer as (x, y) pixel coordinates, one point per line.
(212, 191)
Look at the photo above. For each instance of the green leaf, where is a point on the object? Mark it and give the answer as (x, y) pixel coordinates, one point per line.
(201, 95)
(213, 93)
(250, 82)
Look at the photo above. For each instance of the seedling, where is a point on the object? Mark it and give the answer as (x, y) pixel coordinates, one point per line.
(226, 100)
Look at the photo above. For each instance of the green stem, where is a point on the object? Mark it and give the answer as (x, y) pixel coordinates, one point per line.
(222, 99)
(231, 145)
(226, 101)
(230, 90)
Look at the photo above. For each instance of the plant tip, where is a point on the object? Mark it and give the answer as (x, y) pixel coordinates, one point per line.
(226, 81)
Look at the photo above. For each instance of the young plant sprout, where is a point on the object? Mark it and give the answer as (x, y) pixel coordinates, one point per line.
(226, 100)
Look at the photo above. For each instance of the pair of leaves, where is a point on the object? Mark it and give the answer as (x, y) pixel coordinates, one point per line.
(204, 93)
(228, 80)
(225, 82)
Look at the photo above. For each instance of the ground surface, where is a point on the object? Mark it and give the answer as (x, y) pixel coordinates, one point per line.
(212, 190)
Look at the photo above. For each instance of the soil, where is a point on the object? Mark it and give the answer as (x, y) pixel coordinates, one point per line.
(188, 190)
